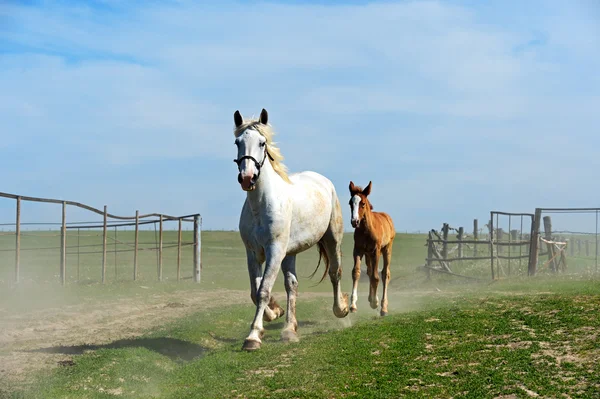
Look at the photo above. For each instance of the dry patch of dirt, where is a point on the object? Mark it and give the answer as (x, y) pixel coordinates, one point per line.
(99, 323)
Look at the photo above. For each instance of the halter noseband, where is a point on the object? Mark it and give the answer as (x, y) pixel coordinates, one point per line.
(256, 163)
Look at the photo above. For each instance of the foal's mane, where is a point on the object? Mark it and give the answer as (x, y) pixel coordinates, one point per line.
(267, 132)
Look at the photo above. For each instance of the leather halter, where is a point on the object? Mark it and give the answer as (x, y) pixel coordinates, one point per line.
(256, 163)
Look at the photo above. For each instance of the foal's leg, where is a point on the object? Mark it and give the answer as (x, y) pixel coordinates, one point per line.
(288, 266)
(274, 254)
(273, 311)
(355, 277)
(374, 277)
(385, 277)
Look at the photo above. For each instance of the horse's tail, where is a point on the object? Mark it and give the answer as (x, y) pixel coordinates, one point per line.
(322, 255)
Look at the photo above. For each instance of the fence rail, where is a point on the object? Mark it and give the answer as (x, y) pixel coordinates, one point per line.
(118, 221)
(505, 249)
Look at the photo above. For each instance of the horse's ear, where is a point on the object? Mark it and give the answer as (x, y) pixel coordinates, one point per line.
(352, 188)
(367, 190)
(237, 118)
(264, 117)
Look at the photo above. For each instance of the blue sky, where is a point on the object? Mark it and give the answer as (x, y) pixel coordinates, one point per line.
(451, 108)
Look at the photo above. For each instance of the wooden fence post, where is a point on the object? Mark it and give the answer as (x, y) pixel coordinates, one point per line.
(578, 247)
(429, 254)
(533, 247)
(491, 228)
(135, 251)
(104, 247)
(197, 249)
(63, 245)
(475, 235)
(445, 229)
(115, 252)
(461, 233)
(160, 249)
(78, 255)
(18, 242)
(179, 251)
(550, 247)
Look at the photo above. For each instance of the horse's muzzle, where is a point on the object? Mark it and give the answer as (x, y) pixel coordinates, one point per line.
(355, 223)
(247, 182)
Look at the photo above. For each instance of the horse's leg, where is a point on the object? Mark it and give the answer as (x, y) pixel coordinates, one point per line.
(273, 311)
(355, 277)
(332, 243)
(274, 255)
(291, 287)
(385, 277)
(374, 277)
(369, 262)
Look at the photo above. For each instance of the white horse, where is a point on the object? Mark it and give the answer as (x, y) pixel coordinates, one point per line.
(281, 217)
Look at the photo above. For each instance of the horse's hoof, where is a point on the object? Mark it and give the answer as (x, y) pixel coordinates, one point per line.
(289, 336)
(251, 345)
(353, 309)
(374, 305)
(383, 313)
(340, 313)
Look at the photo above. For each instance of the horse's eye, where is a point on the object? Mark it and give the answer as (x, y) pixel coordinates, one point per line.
(362, 205)
(263, 144)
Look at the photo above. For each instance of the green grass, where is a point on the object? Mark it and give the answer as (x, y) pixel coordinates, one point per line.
(483, 342)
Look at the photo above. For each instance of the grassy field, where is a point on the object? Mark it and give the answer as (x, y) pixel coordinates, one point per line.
(512, 338)
(483, 342)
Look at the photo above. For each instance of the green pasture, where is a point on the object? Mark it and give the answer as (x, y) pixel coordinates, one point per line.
(523, 338)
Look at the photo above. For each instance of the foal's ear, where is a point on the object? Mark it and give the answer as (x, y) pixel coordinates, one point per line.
(237, 118)
(264, 117)
(367, 190)
(352, 188)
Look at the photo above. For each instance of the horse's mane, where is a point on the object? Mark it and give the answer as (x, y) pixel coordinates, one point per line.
(275, 153)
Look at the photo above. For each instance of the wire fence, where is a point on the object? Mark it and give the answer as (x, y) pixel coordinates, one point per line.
(84, 250)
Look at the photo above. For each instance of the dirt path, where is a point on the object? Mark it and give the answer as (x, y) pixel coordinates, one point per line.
(98, 324)
(104, 323)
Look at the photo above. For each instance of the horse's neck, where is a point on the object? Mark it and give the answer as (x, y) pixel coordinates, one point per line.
(368, 225)
(270, 187)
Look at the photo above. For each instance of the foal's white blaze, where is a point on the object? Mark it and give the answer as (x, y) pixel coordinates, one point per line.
(354, 208)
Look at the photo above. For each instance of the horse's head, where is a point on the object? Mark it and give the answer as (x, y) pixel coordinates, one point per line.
(359, 203)
(251, 150)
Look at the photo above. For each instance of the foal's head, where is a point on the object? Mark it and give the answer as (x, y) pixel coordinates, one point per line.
(359, 203)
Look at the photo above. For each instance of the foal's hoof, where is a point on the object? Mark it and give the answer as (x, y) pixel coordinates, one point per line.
(353, 309)
(289, 336)
(251, 345)
(383, 313)
(374, 305)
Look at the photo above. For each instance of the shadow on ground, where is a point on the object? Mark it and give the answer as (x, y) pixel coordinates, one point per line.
(175, 349)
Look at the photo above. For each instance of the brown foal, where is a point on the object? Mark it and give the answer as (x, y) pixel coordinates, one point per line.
(374, 235)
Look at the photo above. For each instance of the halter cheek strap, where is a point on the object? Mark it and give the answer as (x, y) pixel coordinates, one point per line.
(256, 163)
